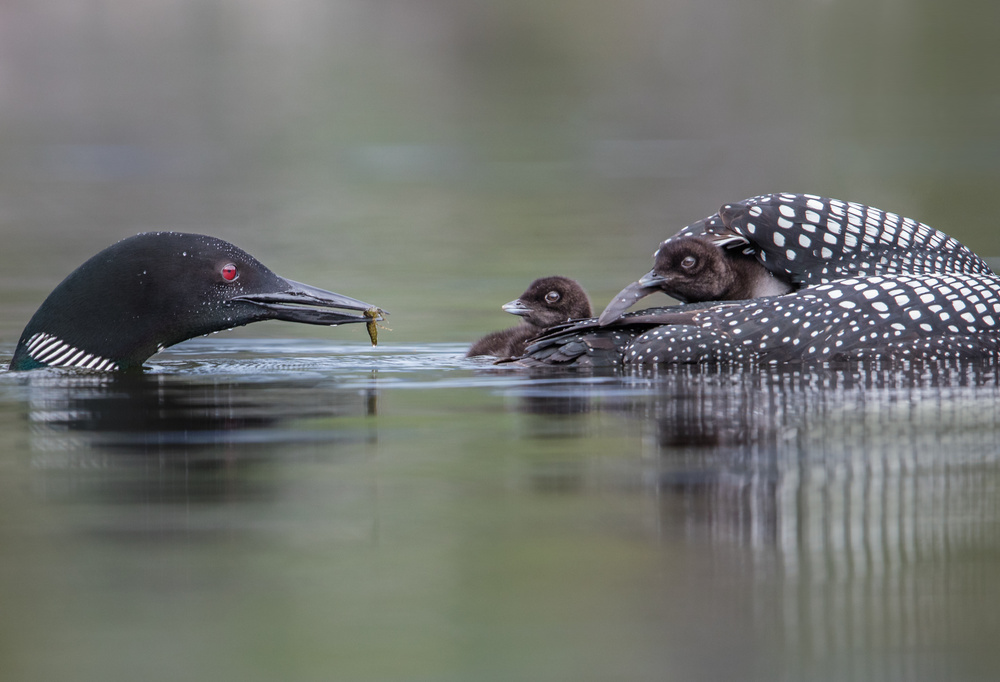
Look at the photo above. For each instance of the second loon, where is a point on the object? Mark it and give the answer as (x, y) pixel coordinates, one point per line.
(863, 283)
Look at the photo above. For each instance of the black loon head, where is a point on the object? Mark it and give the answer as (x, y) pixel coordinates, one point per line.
(156, 289)
(546, 302)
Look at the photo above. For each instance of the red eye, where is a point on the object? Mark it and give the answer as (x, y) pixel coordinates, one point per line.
(229, 272)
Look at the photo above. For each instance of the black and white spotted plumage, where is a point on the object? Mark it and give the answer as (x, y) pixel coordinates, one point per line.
(872, 284)
(899, 316)
(808, 239)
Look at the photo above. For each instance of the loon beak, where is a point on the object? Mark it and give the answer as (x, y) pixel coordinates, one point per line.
(648, 284)
(651, 279)
(309, 305)
(516, 307)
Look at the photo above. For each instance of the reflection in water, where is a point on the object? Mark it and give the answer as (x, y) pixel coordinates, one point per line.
(772, 439)
(852, 487)
(791, 457)
(177, 438)
(823, 523)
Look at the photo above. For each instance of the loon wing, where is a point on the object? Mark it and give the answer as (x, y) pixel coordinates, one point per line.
(814, 240)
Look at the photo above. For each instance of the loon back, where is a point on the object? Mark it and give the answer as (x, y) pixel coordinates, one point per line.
(901, 316)
(805, 240)
(809, 239)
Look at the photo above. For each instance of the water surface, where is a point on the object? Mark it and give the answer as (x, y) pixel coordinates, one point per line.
(263, 509)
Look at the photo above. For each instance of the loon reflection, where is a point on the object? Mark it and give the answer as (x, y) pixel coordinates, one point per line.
(150, 433)
(860, 453)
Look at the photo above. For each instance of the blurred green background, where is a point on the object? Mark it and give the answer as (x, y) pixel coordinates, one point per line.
(434, 156)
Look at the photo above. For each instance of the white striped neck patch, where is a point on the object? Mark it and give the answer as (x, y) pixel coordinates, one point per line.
(54, 352)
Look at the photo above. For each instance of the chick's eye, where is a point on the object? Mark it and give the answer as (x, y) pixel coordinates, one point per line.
(689, 262)
(552, 297)
(230, 272)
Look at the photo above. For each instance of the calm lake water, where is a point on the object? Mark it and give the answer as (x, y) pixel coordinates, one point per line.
(287, 503)
(257, 509)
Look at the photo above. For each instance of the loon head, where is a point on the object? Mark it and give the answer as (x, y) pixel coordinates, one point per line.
(156, 289)
(549, 301)
(693, 269)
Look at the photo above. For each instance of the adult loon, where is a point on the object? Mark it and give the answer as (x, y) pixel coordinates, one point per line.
(150, 291)
(866, 283)
(799, 240)
(548, 301)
